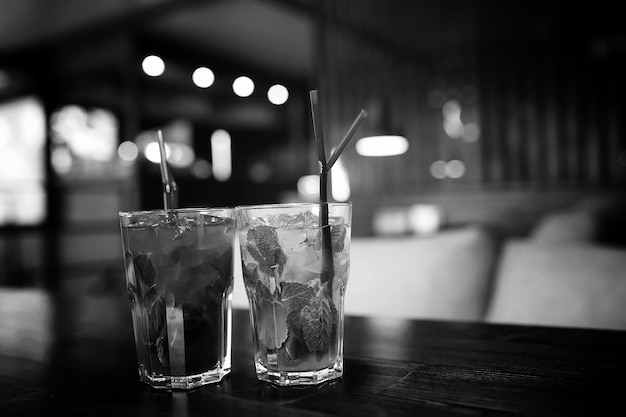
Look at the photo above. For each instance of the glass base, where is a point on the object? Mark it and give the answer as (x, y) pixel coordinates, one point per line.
(186, 382)
(300, 378)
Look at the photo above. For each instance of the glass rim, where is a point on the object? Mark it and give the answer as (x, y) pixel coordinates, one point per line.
(163, 212)
(291, 205)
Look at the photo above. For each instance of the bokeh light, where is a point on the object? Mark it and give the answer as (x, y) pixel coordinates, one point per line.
(277, 94)
(425, 219)
(384, 145)
(153, 65)
(452, 124)
(455, 168)
(153, 153)
(243, 86)
(438, 169)
(203, 77)
(471, 132)
(308, 186)
(260, 171)
(201, 169)
(128, 151)
(340, 182)
(221, 157)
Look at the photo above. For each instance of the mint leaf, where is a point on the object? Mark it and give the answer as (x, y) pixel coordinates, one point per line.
(262, 244)
(295, 296)
(337, 238)
(254, 252)
(318, 323)
(294, 323)
(145, 275)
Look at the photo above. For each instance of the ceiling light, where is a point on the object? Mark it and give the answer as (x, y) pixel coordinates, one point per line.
(243, 86)
(153, 65)
(382, 139)
(277, 94)
(221, 155)
(382, 145)
(203, 77)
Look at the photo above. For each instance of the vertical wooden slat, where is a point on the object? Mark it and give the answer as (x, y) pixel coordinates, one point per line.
(534, 135)
(613, 118)
(571, 125)
(549, 114)
(551, 92)
(512, 130)
(591, 139)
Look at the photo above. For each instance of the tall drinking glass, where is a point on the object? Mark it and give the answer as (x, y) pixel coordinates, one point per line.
(295, 261)
(179, 275)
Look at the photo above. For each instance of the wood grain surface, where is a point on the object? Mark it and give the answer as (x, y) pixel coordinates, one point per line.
(75, 356)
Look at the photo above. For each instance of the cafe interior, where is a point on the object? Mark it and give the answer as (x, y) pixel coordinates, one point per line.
(487, 181)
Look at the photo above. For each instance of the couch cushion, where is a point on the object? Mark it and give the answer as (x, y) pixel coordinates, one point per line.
(580, 285)
(574, 225)
(446, 276)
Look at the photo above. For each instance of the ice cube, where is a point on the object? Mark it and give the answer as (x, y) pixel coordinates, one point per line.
(342, 268)
(259, 221)
(336, 220)
(214, 238)
(170, 236)
(208, 220)
(300, 220)
(302, 266)
(292, 239)
(142, 240)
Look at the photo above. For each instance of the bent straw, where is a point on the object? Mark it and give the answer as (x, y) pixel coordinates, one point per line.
(170, 189)
(325, 166)
(355, 126)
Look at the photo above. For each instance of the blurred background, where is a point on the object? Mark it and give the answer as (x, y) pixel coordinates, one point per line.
(508, 110)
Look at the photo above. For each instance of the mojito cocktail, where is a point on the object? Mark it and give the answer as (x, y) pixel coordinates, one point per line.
(179, 279)
(295, 271)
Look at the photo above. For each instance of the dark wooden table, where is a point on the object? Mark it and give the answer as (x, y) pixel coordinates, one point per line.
(75, 356)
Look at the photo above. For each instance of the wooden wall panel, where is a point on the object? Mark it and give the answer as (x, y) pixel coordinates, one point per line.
(551, 96)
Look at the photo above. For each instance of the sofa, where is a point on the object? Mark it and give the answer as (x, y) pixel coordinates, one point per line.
(565, 272)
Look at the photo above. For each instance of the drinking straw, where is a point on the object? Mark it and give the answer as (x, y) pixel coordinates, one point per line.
(325, 166)
(170, 189)
(355, 126)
